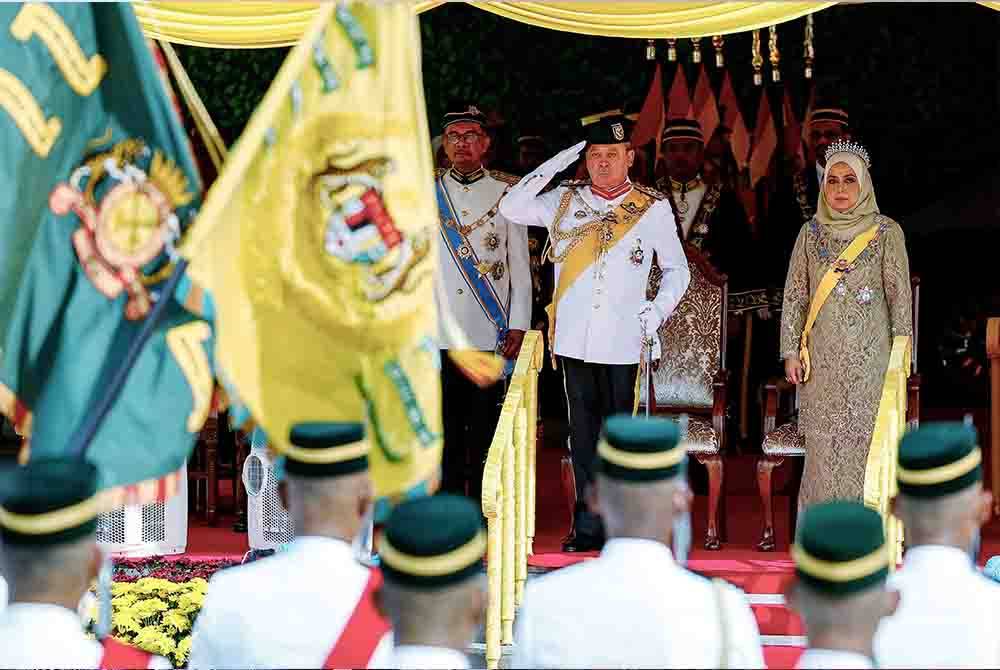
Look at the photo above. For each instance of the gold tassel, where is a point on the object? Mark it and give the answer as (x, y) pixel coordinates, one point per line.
(756, 59)
(696, 50)
(775, 57)
(650, 50)
(718, 42)
(671, 50)
(810, 52)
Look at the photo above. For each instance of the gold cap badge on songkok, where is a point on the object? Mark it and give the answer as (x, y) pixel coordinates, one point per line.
(432, 542)
(688, 130)
(841, 548)
(640, 449)
(327, 449)
(939, 458)
(49, 501)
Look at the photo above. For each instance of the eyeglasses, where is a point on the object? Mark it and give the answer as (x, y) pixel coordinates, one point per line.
(467, 138)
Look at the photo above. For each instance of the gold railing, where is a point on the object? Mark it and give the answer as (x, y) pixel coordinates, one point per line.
(880, 470)
(509, 498)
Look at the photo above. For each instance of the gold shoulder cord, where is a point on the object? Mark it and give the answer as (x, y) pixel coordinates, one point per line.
(575, 235)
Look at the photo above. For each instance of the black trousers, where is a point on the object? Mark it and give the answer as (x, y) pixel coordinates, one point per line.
(594, 391)
(470, 415)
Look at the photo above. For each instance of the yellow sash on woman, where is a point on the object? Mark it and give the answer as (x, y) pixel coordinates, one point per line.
(826, 285)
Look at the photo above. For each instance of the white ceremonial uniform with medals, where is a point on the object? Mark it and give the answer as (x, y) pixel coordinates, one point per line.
(502, 253)
(948, 614)
(833, 659)
(597, 317)
(36, 635)
(419, 657)
(633, 607)
(283, 611)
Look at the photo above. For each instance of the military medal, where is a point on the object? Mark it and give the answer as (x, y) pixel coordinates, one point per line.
(637, 254)
(492, 242)
(498, 270)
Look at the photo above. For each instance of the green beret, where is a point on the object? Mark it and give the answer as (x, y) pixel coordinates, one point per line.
(49, 501)
(640, 449)
(841, 548)
(609, 128)
(432, 542)
(939, 458)
(322, 449)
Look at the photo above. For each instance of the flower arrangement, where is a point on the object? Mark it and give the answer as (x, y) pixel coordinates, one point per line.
(154, 603)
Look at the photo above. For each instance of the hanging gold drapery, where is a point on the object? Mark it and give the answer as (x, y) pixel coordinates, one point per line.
(718, 42)
(756, 60)
(250, 24)
(774, 55)
(696, 50)
(810, 50)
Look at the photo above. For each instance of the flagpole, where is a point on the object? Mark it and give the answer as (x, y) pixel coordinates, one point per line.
(84, 435)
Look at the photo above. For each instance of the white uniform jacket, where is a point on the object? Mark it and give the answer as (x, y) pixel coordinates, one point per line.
(283, 611)
(500, 246)
(633, 607)
(597, 319)
(948, 615)
(832, 659)
(413, 657)
(35, 635)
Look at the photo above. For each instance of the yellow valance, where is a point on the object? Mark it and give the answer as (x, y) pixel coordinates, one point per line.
(251, 25)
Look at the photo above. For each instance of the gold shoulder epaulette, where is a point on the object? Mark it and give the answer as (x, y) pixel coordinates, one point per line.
(650, 191)
(505, 177)
(440, 172)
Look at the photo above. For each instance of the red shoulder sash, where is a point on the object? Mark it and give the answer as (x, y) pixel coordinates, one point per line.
(362, 632)
(120, 656)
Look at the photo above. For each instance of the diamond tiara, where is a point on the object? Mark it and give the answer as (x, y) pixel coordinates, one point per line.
(848, 146)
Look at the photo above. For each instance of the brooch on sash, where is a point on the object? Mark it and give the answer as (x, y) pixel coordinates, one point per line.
(637, 255)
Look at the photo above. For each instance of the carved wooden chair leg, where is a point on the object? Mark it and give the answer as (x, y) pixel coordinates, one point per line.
(713, 463)
(765, 470)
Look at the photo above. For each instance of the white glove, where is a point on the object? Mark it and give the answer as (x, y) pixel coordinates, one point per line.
(561, 160)
(650, 320)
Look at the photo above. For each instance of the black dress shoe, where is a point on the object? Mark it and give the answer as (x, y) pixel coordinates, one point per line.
(582, 543)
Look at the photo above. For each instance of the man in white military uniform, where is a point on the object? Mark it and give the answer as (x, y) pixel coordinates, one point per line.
(636, 606)
(603, 236)
(48, 525)
(949, 614)
(435, 591)
(486, 275)
(313, 605)
(841, 566)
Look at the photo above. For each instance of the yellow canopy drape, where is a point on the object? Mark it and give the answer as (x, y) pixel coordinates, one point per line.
(249, 25)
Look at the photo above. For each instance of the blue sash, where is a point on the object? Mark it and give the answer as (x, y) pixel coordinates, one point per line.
(480, 285)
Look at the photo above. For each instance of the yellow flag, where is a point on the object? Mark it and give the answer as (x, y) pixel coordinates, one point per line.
(317, 246)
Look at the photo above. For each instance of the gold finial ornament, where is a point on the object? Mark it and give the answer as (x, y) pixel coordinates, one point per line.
(696, 50)
(718, 42)
(810, 51)
(756, 60)
(775, 56)
(671, 50)
(650, 50)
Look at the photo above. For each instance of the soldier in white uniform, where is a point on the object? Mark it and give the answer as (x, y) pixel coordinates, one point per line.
(435, 591)
(486, 274)
(604, 234)
(636, 606)
(313, 605)
(949, 614)
(841, 566)
(48, 521)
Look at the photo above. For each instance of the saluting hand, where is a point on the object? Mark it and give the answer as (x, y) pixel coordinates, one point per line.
(562, 160)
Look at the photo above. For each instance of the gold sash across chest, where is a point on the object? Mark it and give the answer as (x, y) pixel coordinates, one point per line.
(589, 247)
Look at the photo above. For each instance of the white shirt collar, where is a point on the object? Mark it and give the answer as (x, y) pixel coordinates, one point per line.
(637, 549)
(420, 657)
(937, 557)
(57, 621)
(820, 659)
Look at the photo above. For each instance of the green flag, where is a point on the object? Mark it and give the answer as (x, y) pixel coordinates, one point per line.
(99, 183)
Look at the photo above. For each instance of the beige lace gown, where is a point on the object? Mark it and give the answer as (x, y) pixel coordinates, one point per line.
(849, 351)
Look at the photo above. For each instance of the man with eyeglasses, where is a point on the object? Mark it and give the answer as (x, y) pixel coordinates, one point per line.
(604, 233)
(486, 276)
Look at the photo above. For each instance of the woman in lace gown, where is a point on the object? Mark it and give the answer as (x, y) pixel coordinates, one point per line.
(850, 341)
